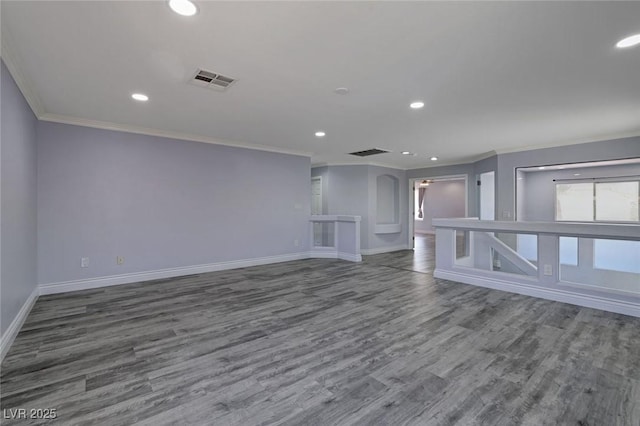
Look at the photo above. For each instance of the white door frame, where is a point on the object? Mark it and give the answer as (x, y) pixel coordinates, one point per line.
(411, 241)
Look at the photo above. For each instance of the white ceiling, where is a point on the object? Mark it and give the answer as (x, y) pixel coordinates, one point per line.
(495, 76)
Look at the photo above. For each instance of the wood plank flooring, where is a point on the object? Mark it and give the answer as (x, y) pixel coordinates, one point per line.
(322, 342)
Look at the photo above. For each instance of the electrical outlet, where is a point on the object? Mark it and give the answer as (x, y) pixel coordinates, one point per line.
(120, 260)
(84, 262)
(548, 270)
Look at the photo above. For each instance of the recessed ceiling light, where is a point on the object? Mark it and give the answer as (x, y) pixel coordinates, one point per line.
(629, 41)
(416, 105)
(140, 97)
(341, 91)
(320, 134)
(183, 7)
(434, 158)
(541, 168)
(406, 153)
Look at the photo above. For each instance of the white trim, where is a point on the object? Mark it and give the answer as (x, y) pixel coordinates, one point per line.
(62, 287)
(603, 303)
(621, 292)
(351, 163)
(332, 254)
(323, 254)
(334, 218)
(380, 250)
(350, 257)
(420, 231)
(13, 65)
(484, 156)
(106, 125)
(411, 222)
(569, 229)
(429, 165)
(627, 135)
(14, 328)
(387, 228)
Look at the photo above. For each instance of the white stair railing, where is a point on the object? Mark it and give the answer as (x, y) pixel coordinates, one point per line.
(589, 283)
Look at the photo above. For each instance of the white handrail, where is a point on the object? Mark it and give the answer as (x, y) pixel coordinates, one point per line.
(572, 229)
(582, 283)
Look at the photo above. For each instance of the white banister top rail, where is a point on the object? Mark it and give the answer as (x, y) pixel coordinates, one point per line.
(334, 218)
(571, 229)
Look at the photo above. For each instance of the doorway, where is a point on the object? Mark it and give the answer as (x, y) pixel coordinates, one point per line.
(433, 198)
(487, 196)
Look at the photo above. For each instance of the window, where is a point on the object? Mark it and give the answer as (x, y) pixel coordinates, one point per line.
(598, 201)
(574, 201)
(617, 201)
(419, 212)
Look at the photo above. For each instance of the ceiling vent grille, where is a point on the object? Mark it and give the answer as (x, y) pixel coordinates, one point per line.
(211, 80)
(368, 152)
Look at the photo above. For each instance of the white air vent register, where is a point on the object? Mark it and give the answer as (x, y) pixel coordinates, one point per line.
(211, 80)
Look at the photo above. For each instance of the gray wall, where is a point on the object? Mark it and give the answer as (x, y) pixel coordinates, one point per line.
(441, 199)
(18, 225)
(161, 203)
(348, 193)
(594, 151)
(537, 200)
(488, 164)
(352, 190)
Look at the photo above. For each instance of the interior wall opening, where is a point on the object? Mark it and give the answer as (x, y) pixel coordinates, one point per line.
(436, 197)
(595, 192)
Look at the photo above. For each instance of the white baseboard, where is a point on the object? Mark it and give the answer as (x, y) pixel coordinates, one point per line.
(325, 254)
(350, 257)
(380, 250)
(63, 287)
(14, 328)
(603, 303)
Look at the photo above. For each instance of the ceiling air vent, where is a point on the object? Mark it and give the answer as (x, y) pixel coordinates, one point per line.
(211, 80)
(368, 152)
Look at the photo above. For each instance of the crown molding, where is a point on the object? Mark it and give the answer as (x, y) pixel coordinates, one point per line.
(462, 162)
(105, 125)
(483, 156)
(632, 134)
(347, 163)
(13, 63)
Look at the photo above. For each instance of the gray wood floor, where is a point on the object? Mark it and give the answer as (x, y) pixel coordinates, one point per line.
(322, 342)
